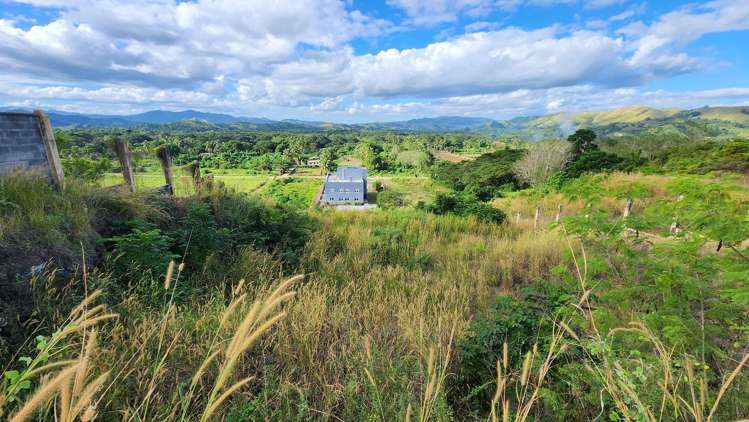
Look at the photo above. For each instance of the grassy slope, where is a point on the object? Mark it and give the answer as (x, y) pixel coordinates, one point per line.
(738, 115)
(384, 288)
(602, 118)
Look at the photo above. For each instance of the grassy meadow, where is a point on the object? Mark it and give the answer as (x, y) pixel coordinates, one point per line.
(184, 184)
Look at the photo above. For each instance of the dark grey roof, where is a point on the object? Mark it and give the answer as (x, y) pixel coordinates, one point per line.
(348, 173)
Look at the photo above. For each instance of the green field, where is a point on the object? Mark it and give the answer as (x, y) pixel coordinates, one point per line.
(183, 184)
(301, 191)
(413, 189)
(303, 187)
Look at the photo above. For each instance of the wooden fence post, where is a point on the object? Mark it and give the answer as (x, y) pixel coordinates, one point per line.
(122, 149)
(559, 213)
(50, 147)
(627, 209)
(537, 217)
(195, 170)
(166, 165)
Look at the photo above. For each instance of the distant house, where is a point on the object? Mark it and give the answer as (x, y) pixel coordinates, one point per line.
(313, 162)
(348, 185)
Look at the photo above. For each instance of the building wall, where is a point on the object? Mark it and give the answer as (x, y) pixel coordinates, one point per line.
(344, 192)
(21, 145)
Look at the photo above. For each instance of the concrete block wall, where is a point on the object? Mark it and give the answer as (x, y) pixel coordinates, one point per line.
(21, 144)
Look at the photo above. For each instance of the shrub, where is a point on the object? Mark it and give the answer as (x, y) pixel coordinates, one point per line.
(520, 322)
(593, 162)
(143, 251)
(199, 236)
(465, 204)
(390, 199)
(85, 168)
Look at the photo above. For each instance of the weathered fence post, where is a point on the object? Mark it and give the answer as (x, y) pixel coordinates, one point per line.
(195, 170)
(122, 149)
(166, 165)
(537, 217)
(559, 213)
(627, 209)
(50, 147)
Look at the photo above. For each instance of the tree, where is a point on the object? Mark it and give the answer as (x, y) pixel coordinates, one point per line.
(583, 140)
(295, 150)
(542, 161)
(327, 160)
(370, 155)
(586, 157)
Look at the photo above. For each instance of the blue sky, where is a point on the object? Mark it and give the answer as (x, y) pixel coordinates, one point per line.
(358, 61)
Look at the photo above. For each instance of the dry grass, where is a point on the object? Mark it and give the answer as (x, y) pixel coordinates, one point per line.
(370, 333)
(450, 156)
(76, 394)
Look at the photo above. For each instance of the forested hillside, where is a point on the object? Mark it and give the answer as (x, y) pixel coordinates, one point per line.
(703, 123)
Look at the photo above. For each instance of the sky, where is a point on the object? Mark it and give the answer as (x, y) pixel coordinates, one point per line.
(372, 60)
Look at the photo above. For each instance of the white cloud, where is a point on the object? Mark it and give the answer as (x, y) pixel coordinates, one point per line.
(327, 104)
(498, 61)
(526, 102)
(431, 12)
(428, 12)
(659, 42)
(166, 42)
(248, 55)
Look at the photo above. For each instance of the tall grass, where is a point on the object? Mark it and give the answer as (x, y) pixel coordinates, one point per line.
(373, 332)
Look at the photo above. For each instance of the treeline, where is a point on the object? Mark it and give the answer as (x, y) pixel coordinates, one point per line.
(266, 151)
(550, 165)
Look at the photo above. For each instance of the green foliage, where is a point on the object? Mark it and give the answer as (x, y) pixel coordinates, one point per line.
(707, 209)
(485, 177)
(587, 157)
(327, 160)
(583, 141)
(85, 168)
(199, 235)
(371, 156)
(465, 204)
(520, 321)
(594, 161)
(277, 228)
(142, 251)
(295, 149)
(702, 157)
(391, 245)
(294, 192)
(390, 199)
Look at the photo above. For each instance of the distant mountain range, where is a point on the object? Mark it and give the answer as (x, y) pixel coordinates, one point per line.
(706, 121)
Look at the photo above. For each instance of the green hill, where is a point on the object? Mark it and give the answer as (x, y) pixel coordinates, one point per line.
(601, 118)
(738, 115)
